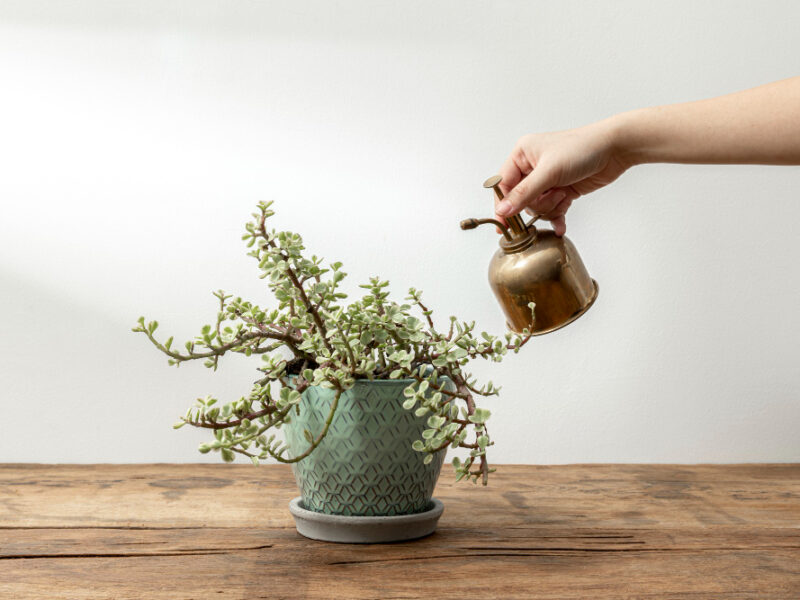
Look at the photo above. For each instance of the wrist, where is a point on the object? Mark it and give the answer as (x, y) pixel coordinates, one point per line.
(627, 138)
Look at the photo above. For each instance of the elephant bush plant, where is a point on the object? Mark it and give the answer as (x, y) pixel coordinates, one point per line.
(313, 337)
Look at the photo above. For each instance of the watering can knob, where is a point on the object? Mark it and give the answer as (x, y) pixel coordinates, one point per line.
(494, 182)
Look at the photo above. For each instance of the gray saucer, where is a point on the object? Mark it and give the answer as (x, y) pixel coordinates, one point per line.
(364, 530)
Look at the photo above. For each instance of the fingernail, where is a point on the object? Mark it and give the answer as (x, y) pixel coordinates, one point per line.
(503, 208)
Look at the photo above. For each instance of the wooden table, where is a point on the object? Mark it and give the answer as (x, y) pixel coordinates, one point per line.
(222, 531)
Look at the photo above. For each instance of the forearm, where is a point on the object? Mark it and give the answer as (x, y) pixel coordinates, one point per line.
(756, 126)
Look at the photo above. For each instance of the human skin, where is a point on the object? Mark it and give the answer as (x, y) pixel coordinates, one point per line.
(546, 172)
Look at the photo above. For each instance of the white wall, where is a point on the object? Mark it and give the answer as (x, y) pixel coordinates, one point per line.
(136, 137)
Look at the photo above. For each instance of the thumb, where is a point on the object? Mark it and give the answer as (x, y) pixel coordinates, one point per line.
(526, 192)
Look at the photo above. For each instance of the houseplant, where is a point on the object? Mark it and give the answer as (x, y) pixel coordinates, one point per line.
(370, 393)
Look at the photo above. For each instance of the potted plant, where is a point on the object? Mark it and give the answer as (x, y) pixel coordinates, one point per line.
(369, 394)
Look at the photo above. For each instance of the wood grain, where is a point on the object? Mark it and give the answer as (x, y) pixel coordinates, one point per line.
(578, 531)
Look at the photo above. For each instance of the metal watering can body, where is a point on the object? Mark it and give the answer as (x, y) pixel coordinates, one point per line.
(538, 267)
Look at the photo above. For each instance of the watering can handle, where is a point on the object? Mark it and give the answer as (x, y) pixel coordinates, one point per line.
(530, 223)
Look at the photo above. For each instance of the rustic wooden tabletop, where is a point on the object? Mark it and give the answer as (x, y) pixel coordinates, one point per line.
(223, 531)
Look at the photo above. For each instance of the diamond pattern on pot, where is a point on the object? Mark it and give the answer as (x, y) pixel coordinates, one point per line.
(365, 464)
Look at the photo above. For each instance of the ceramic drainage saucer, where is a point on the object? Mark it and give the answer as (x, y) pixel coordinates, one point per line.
(364, 530)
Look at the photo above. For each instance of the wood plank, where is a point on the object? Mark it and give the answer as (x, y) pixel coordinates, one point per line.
(576, 495)
(451, 563)
(579, 531)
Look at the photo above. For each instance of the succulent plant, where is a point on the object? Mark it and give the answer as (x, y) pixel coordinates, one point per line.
(312, 337)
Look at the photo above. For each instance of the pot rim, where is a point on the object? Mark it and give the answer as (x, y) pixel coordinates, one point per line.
(407, 381)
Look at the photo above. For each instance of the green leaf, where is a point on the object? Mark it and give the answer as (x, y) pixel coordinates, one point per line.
(435, 421)
(418, 446)
(481, 415)
(458, 353)
(428, 458)
(409, 404)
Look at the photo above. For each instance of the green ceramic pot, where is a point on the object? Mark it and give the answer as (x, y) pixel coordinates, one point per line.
(365, 465)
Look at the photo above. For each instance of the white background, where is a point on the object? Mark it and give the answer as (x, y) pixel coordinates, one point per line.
(136, 137)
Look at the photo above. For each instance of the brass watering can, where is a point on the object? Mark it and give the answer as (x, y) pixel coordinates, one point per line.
(539, 267)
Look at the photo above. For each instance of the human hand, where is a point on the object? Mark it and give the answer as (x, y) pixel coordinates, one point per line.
(547, 171)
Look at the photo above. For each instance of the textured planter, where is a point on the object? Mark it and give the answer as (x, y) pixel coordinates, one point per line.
(365, 465)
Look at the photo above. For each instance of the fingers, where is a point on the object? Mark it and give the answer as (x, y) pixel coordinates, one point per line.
(526, 192)
(535, 189)
(517, 165)
(559, 226)
(558, 216)
(514, 169)
(546, 203)
(557, 212)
